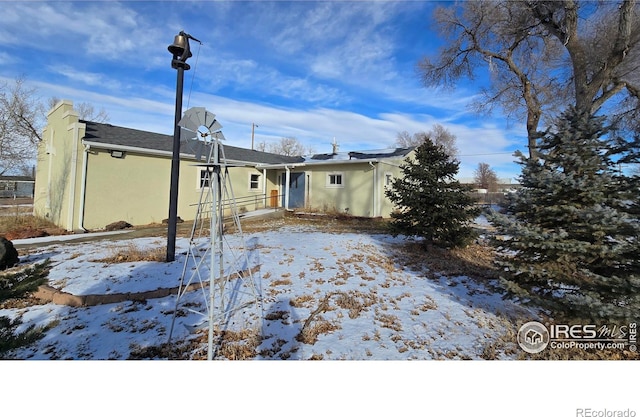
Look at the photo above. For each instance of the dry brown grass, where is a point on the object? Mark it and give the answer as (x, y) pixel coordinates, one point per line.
(277, 315)
(27, 226)
(389, 321)
(337, 222)
(315, 324)
(428, 304)
(309, 334)
(231, 345)
(303, 301)
(356, 302)
(279, 282)
(475, 260)
(133, 253)
(239, 345)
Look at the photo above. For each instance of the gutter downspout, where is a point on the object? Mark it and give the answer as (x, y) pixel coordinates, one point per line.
(375, 189)
(264, 185)
(286, 187)
(83, 187)
(74, 171)
(50, 152)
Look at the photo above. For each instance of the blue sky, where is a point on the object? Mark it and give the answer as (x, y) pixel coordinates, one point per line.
(311, 70)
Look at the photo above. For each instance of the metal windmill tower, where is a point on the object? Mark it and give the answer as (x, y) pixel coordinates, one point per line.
(214, 259)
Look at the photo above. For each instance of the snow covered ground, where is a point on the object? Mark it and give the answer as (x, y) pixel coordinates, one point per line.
(354, 293)
(359, 293)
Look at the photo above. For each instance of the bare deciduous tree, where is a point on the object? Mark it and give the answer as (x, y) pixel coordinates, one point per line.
(21, 121)
(439, 135)
(404, 139)
(22, 118)
(485, 177)
(443, 137)
(261, 146)
(288, 146)
(86, 111)
(542, 56)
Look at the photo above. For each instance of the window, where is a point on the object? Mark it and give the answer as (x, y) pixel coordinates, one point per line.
(205, 176)
(335, 180)
(254, 182)
(8, 186)
(388, 179)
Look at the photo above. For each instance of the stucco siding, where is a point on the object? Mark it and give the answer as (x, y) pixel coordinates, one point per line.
(136, 189)
(56, 187)
(237, 185)
(362, 191)
(133, 189)
(387, 172)
(82, 184)
(354, 195)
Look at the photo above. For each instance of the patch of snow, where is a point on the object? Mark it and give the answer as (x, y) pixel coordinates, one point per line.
(376, 307)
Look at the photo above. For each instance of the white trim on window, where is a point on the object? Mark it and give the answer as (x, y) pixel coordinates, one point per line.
(255, 182)
(388, 179)
(201, 180)
(335, 180)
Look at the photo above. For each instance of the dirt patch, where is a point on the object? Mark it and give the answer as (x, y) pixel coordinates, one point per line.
(475, 260)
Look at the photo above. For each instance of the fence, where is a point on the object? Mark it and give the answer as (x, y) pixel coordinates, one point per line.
(491, 199)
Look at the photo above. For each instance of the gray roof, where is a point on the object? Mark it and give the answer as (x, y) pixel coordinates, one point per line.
(357, 155)
(107, 134)
(380, 154)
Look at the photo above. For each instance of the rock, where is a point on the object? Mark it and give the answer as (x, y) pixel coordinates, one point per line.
(117, 226)
(178, 220)
(8, 254)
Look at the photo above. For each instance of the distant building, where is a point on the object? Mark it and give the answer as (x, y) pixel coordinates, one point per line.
(485, 197)
(92, 174)
(505, 185)
(16, 186)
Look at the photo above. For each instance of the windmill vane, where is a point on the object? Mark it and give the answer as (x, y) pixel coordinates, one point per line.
(192, 123)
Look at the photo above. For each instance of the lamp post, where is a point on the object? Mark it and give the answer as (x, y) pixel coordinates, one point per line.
(181, 52)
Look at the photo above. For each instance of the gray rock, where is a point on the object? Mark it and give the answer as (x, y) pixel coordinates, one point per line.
(8, 254)
(121, 225)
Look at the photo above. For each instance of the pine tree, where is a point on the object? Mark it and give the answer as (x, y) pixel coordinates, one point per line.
(570, 247)
(15, 286)
(430, 202)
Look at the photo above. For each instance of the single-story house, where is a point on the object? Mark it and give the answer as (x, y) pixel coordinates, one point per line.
(19, 186)
(91, 174)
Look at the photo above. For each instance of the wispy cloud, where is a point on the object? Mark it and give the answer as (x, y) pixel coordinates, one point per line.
(246, 76)
(91, 79)
(313, 70)
(115, 32)
(340, 40)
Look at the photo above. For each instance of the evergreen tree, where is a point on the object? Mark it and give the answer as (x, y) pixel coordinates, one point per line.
(571, 247)
(628, 153)
(16, 286)
(430, 202)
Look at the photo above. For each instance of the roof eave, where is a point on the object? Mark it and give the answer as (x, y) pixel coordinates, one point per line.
(312, 163)
(154, 152)
(280, 166)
